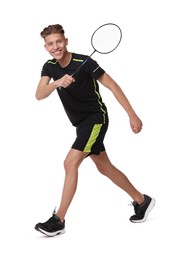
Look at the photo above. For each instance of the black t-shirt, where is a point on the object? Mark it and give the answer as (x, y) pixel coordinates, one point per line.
(81, 100)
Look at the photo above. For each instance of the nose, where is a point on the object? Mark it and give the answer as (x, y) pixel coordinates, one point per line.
(56, 45)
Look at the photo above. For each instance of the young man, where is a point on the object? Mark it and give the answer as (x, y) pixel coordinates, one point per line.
(84, 106)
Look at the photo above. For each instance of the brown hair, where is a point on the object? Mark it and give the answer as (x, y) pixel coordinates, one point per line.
(55, 28)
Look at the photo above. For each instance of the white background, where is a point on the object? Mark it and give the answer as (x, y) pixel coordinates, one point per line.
(36, 135)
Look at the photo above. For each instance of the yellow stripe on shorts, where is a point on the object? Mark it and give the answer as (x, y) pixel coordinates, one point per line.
(92, 139)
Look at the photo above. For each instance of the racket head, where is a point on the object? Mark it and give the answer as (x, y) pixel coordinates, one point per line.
(106, 38)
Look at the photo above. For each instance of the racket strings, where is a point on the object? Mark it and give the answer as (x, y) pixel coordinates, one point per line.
(106, 38)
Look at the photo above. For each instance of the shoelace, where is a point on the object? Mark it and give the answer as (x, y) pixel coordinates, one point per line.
(131, 203)
(50, 220)
(135, 205)
(54, 211)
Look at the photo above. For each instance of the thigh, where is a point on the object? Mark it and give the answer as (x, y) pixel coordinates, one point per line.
(101, 159)
(90, 138)
(75, 157)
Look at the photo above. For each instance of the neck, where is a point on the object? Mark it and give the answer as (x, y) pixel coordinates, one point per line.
(66, 60)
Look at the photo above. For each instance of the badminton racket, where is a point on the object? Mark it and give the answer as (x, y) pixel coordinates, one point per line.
(104, 40)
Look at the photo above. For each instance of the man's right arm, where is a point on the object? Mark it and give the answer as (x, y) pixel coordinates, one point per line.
(45, 88)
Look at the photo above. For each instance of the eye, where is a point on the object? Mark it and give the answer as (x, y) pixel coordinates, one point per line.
(49, 44)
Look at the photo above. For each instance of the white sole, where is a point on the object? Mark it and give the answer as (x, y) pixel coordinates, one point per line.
(52, 234)
(150, 207)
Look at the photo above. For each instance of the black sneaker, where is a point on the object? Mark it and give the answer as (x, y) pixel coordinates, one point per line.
(51, 227)
(142, 210)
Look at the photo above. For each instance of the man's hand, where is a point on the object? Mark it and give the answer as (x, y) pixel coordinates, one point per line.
(65, 81)
(136, 124)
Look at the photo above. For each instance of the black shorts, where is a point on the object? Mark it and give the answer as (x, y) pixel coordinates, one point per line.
(90, 138)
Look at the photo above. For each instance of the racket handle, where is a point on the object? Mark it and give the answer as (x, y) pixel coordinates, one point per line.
(80, 67)
(77, 70)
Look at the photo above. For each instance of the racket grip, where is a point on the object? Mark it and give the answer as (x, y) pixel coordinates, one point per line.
(79, 68)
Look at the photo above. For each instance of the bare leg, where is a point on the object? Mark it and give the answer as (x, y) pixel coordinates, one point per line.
(71, 165)
(106, 168)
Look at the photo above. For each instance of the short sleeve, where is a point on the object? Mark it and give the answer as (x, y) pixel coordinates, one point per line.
(45, 71)
(94, 69)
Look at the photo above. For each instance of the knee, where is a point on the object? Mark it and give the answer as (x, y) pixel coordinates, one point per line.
(69, 164)
(101, 167)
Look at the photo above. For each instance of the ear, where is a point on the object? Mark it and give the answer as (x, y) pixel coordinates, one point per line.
(66, 41)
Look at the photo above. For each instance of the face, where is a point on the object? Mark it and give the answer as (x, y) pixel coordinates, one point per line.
(56, 44)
